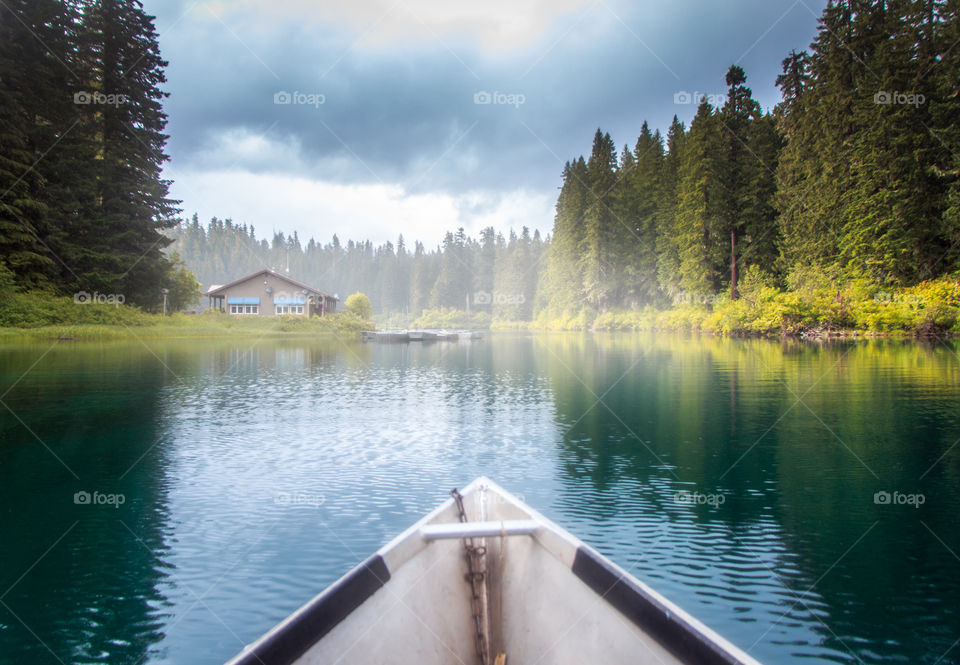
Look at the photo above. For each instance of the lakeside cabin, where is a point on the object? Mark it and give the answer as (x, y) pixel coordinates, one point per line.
(269, 293)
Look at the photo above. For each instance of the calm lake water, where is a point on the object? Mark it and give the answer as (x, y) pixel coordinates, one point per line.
(739, 478)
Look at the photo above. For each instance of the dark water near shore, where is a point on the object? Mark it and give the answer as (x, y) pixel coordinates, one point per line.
(736, 477)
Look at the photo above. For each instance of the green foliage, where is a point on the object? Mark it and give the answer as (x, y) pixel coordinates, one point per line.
(564, 282)
(667, 243)
(359, 305)
(515, 281)
(34, 108)
(34, 309)
(84, 77)
(8, 284)
(700, 249)
(449, 317)
(626, 320)
(39, 313)
(929, 308)
(342, 324)
(636, 199)
(603, 230)
(454, 283)
(856, 172)
(816, 305)
(391, 320)
(570, 319)
(869, 166)
(183, 287)
(510, 326)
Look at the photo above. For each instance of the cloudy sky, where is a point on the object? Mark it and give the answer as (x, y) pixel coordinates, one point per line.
(376, 117)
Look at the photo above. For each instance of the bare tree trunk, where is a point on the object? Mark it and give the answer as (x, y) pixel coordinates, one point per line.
(733, 264)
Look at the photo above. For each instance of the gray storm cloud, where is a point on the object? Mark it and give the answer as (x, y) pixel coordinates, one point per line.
(441, 98)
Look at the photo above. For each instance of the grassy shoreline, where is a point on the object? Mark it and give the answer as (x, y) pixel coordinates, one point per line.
(810, 309)
(855, 309)
(807, 310)
(31, 316)
(110, 332)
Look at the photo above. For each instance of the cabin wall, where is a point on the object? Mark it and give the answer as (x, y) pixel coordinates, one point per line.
(256, 287)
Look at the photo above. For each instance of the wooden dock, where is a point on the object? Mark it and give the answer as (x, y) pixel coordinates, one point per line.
(422, 336)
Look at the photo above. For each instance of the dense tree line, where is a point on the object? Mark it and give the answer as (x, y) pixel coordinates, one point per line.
(82, 202)
(854, 174)
(491, 273)
(870, 118)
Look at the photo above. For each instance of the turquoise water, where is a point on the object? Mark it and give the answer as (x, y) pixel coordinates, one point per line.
(238, 478)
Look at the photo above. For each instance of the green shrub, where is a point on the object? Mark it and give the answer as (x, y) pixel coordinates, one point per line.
(813, 301)
(8, 286)
(38, 313)
(502, 325)
(34, 309)
(359, 305)
(450, 317)
(581, 319)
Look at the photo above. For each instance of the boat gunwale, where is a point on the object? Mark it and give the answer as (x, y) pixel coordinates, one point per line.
(591, 567)
(390, 557)
(646, 609)
(286, 642)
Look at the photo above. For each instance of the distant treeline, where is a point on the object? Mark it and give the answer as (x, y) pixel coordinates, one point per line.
(490, 274)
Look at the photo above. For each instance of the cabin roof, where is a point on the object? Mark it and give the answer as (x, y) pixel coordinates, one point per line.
(215, 288)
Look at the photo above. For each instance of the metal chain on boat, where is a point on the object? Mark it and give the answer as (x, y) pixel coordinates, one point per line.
(476, 574)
